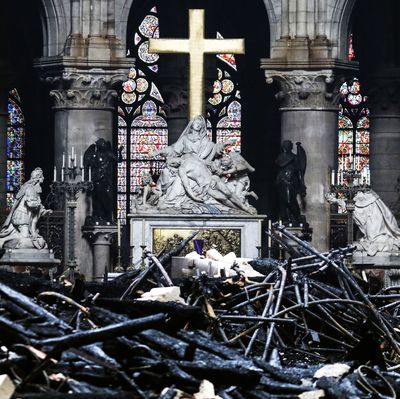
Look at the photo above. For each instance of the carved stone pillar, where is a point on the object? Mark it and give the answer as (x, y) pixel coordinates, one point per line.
(84, 106)
(308, 115)
(101, 238)
(384, 96)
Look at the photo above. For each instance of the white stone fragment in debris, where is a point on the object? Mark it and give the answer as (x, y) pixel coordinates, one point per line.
(7, 387)
(318, 394)
(332, 370)
(163, 294)
(213, 254)
(214, 263)
(206, 391)
(193, 255)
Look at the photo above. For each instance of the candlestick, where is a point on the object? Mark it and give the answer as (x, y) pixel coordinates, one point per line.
(259, 233)
(55, 174)
(90, 173)
(62, 174)
(81, 160)
(269, 235)
(332, 177)
(143, 233)
(63, 160)
(83, 174)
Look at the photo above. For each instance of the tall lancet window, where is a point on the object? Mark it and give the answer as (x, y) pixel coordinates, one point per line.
(353, 127)
(15, 175)
(142, 128)
(224, 114)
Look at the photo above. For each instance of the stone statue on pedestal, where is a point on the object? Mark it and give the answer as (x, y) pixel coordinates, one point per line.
(290, 182)
(199, 178)
(19, 230)
(101, 159)
(377, 224)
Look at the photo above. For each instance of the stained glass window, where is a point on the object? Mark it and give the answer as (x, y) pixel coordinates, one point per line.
(15, 175)
(351, 55)
(225, 108)
(142, 128)
(353, 129)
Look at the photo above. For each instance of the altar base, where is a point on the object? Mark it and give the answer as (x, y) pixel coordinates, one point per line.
(226, 233)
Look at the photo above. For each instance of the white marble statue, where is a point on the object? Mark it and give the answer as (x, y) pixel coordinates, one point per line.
(376, 222)
(199, 177)
(20, 228)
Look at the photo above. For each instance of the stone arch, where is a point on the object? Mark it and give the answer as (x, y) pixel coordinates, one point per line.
(272, 20)
(121, 16)
(55, 27)
(339, 28)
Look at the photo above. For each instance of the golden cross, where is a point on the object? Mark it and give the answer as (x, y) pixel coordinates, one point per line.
(196, 46)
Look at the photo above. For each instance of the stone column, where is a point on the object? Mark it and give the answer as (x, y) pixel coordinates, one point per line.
(84, 108)
(321, 18)
(285, 18)
(309, 116)
(101, 238)
(384, 96)
(301, 18)
(75, 44)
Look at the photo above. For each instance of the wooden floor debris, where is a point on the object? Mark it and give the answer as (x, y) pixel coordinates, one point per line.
(308, 328)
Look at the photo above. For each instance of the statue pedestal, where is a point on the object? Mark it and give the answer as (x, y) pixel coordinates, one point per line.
(227, 233)
(29, 257)
(388, 263)
(101, 238)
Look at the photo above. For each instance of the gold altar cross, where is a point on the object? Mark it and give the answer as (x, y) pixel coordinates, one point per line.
(196, 46)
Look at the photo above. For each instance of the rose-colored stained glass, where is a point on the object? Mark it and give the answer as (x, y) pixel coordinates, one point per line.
(353, 125)
(345, 122)
(146, 141)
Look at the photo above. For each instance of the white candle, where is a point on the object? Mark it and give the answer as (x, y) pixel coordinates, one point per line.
(73, 155)
(81, 160)
(63, 160)
(259, 233)
(69, 160)
(62, 174)
(83, 174)
(332, 177)
(90, 173)
(119, 233)
(143, 233)
(55, 174)
(270, 232)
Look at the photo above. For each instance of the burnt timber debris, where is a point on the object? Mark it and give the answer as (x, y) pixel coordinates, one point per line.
(308, 328)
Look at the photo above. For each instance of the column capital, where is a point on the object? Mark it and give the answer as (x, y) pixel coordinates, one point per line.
(303, 88)
(83, 85)
(100, 235)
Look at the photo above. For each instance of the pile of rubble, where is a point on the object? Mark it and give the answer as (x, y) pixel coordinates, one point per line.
(303, 327)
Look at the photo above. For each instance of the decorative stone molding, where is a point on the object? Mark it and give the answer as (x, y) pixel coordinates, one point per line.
(304, 89)
(84, 89)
